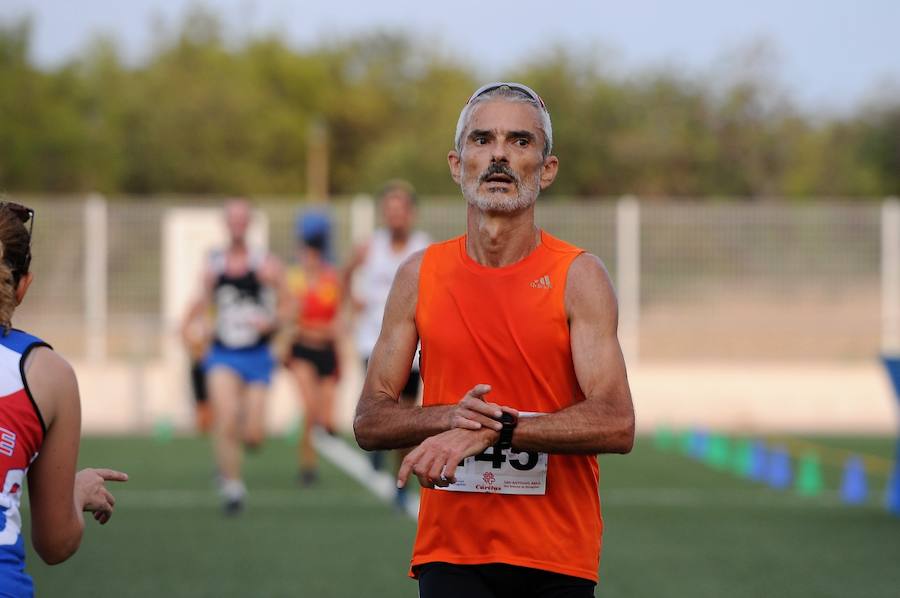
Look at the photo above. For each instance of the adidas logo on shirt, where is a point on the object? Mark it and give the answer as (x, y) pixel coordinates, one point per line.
(542, 283)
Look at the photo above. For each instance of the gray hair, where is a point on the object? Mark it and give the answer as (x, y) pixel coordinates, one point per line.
(509, 94)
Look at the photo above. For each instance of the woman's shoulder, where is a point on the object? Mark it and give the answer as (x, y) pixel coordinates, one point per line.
(50, 380)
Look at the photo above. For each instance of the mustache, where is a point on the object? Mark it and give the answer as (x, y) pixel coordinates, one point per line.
(498, 168)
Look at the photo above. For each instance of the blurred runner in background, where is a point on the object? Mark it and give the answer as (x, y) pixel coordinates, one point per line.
(314, 284)
(196, 334)
(375, 263)
(245, 288)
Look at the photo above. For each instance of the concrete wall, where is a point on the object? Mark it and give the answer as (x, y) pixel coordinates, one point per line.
(123, 398)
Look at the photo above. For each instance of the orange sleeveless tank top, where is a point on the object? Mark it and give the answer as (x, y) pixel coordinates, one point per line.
(506, 327)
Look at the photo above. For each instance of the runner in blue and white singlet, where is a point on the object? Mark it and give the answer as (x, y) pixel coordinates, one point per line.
(21, 435)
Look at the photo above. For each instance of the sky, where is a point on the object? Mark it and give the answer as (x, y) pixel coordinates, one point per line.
(829, 55)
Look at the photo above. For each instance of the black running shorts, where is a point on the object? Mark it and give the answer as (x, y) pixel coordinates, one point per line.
(323, 359)
(498, 580)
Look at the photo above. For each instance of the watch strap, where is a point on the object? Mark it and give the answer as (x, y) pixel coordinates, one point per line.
(506, 433)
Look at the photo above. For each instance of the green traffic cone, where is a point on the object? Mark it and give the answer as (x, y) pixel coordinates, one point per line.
(809, 475)
(163, 430)
(742, 458)
(292, 432)
(664, 438)
(718, 452)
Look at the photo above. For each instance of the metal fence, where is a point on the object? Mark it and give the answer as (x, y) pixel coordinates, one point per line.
(745, 281)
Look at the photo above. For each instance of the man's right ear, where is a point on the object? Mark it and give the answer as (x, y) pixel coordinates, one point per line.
(454, 161)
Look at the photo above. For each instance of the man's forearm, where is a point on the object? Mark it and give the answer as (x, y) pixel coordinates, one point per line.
(381, 423)
(579, 429)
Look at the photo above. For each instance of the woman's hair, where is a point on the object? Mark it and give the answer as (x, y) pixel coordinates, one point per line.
(15, 259)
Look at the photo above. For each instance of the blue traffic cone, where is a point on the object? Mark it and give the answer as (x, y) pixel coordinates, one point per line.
(778, 472)
(699, 444)
(854, 488)
(892, 495)
(758, 461)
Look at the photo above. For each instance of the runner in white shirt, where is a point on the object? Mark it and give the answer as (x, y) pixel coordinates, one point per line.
(374, 265)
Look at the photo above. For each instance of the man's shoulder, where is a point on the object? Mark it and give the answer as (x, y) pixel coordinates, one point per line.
(558, 245)
(409, 268)
(588, 284)
(439, 252)
(446, 245)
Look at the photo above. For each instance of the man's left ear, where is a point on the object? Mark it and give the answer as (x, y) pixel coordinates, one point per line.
(548, 171)
(24, 283)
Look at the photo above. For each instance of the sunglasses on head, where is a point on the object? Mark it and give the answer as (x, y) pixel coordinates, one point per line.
(23, 213)
(514, 86)
(25, 216)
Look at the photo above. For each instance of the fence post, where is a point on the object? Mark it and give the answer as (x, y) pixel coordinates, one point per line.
(95, 276)
(362, 218)
(628, 269)
(890, 276)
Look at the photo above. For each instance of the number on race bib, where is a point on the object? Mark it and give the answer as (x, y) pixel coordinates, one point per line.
(496, 457)
(528, 464)
(502, 472)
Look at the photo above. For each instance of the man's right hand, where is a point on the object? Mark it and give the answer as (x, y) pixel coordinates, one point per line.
(474, 413)
(435, 461)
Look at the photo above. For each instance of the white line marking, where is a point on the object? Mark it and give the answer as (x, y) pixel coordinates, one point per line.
(356, 465)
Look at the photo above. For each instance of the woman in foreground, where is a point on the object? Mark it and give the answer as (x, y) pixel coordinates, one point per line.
(40, 426)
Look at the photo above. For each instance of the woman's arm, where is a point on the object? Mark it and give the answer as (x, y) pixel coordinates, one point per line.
(58, 496)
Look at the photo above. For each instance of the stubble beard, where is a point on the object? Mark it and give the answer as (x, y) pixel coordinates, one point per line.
(526, 194)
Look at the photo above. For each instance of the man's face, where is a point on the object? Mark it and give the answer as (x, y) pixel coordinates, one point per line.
(501, 167)
(237, 219)
(397, 210)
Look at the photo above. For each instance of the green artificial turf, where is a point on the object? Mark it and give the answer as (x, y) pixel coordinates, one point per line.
(673, 527)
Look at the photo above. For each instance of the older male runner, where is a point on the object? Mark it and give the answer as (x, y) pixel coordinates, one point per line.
(510, 313)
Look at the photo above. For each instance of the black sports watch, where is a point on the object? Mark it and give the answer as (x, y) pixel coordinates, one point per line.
(506, 433)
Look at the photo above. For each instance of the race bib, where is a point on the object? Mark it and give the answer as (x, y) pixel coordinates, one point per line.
(502, 472)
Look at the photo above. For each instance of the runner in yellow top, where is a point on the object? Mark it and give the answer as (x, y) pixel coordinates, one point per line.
(315, 286)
